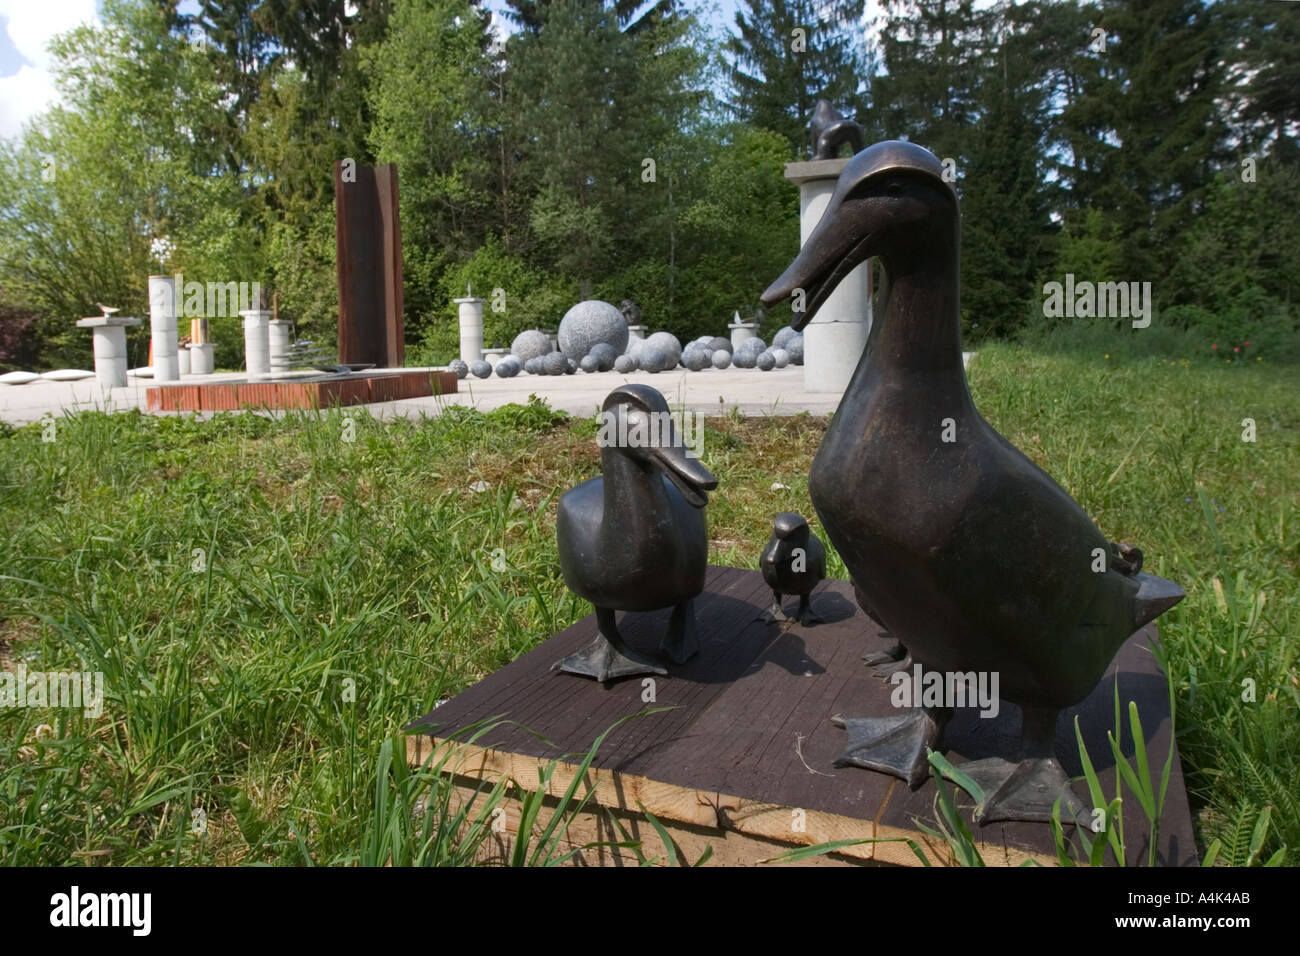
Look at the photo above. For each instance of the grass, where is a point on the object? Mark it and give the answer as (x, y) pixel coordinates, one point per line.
(270, 604)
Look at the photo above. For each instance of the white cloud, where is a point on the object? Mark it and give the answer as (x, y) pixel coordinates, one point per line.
(31, 26)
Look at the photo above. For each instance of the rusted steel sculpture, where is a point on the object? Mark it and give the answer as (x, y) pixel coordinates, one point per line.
(969, 554)
(793, 562)
(635, 538)
(368, 236)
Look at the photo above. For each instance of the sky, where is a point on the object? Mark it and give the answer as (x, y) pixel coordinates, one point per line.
(27, 26)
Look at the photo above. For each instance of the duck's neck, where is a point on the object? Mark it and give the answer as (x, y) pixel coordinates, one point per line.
(637, 490)
(919, 328)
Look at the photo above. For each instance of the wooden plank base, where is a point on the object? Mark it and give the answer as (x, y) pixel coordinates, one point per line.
(359, 388)
(744, 757)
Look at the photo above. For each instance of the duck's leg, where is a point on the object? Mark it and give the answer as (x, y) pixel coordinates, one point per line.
(775, 612)
(894, 745)
(889, 660)
(807, 616)
(1026, 788)
(681, 642)
(607, 657)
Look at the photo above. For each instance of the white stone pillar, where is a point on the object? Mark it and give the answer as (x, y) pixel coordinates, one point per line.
(202, 358)
(836, 337)
(740, 331)
(183, 360)
(108, 336)
(471, 329)
(635, 332)
(257, 342)
(279, 345)
(163, 309)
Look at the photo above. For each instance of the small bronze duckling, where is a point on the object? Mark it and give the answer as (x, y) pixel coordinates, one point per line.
(793, 562)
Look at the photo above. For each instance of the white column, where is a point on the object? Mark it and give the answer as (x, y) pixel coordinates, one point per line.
(834, 340)
(108, 338)
(471, 329)
(202, 358)
(635, 332)
(163, 308)
(183, 360)
(278, 342)
(257, 342)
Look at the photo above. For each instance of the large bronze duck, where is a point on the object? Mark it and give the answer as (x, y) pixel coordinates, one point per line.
(965, 550)
(635, 538)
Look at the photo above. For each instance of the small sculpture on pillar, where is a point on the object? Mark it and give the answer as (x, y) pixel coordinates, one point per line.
(829, 130)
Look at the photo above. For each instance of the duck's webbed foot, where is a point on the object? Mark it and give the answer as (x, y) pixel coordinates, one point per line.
(1025, 788)
(894, 745)
(807, 616)
(682, 642)
(889, 660)
(775, 612)
(608, 658)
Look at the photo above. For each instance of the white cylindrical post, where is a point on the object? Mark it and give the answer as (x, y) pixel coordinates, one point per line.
(636, 332)
(110, 355)
(257, 342)
(202, 358)
(740, 331)
(471, 329)
(163, 309)
(834, 340)
(183, 360)
(278, 343)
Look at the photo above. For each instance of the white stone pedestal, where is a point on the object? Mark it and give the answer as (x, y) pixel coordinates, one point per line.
(278, 334)
(471, 329)
(109, 341)
(834, 340)
(202, 358)
(183, 360)
(163, 309)
(635, 332)
(257, 342)
(740, 331)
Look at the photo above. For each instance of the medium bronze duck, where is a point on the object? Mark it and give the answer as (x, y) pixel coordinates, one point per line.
(964, 549)
(635, 538)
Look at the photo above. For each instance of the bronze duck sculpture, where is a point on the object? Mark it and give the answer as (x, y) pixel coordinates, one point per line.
(635, 538)
(967, 552)
(792, 562)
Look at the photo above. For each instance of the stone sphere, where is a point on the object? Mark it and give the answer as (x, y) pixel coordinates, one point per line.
(530, 344)
(590, 323)
(507, 367)
(459, 366)
(534, 365)
(589, 363)
(670, 346)
(783, 335)
(604, 355)
(720, 343)
(625, 364)
(721, 358)
(653, 358)
(765, 361)
(695, 359)
(481, 369)
(747, 352)
(781, 357)
(554, 363)
(795, 347)
(570, 366)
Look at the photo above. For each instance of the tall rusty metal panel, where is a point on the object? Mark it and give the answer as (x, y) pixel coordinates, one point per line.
(369, 242)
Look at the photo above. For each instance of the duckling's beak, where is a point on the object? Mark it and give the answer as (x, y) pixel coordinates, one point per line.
(683, 469)
(834, 249)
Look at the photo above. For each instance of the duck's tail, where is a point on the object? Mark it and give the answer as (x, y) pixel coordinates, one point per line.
(1154, 597)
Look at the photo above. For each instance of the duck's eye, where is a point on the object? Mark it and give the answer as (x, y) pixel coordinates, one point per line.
(895, 188)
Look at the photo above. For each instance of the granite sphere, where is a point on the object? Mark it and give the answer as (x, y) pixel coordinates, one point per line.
(719, 342)
(747, 352)
(481, 369)
(721, 358)
(570, 366)
(670, 346)
(590, 323)
(530, 344)
(795, 347)
(781, 357)
(589, 363)
(459, 366)
(554, 363)
(653, 358)
(604, 355)
(765, 361)
(625, 364)
(534, 365)
(783, 335)
(507, 367)
(695, 359)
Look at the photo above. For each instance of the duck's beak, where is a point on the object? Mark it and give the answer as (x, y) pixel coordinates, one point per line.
(685, 471)
(834, 249)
